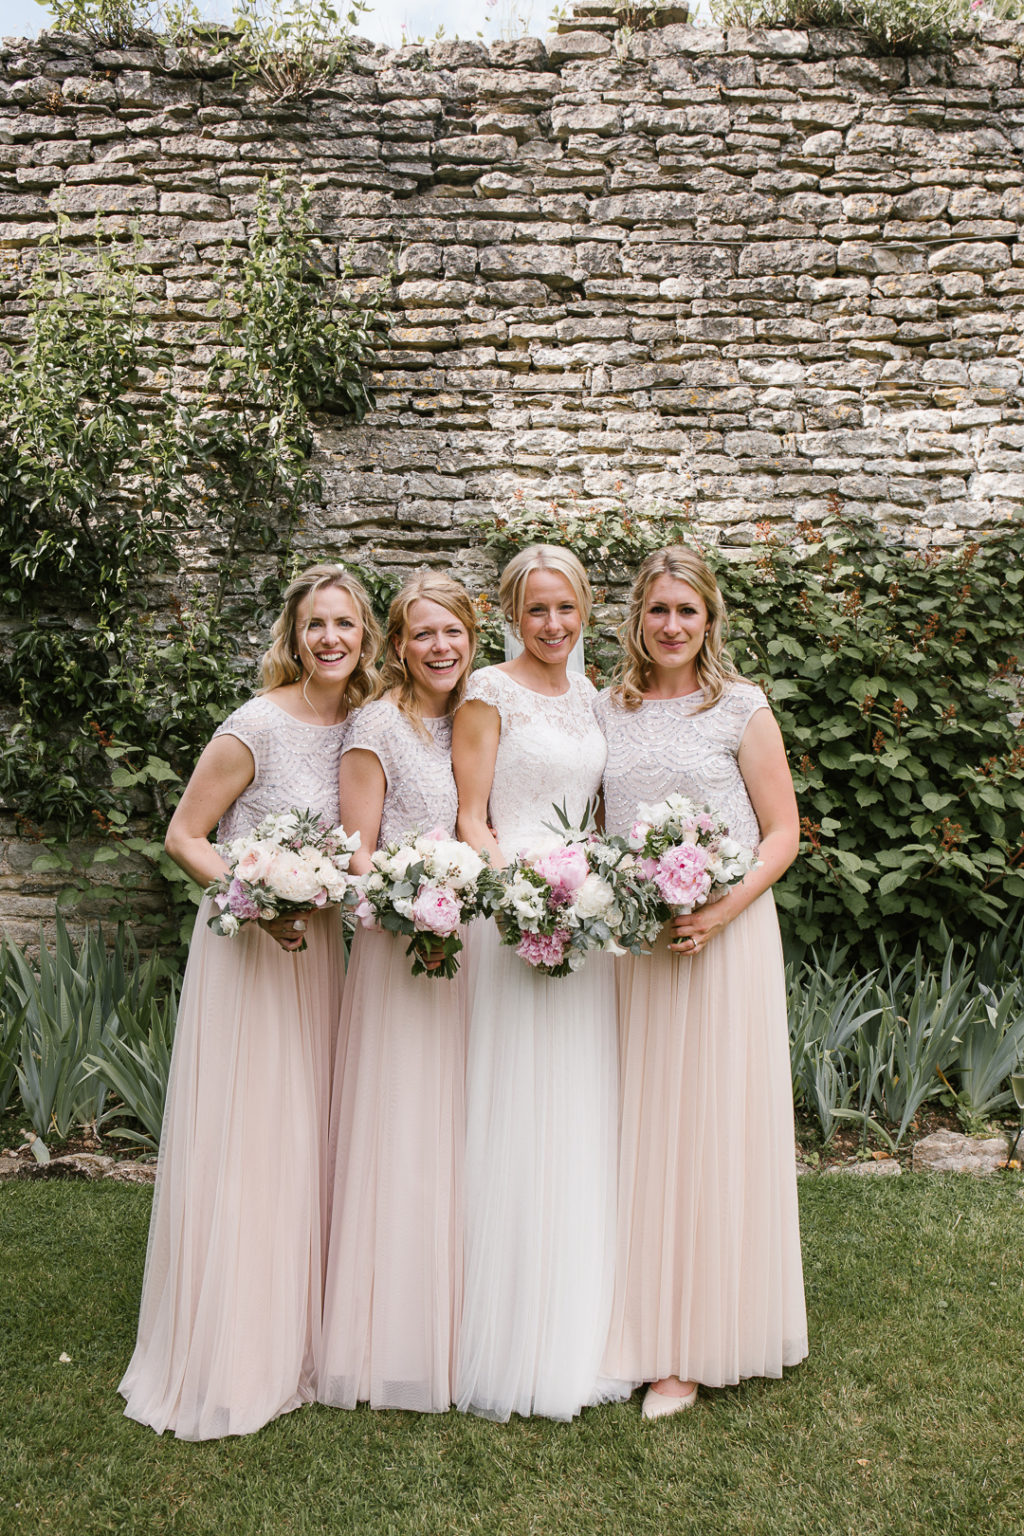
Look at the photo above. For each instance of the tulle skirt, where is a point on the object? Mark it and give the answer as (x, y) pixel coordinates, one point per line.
(231, 1298)
(394, 1274)
(540, 1185)
(709, 1284)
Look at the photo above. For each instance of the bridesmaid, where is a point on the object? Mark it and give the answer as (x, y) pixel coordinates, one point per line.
(232, 1292)
(541, 1068)
(394, 1269)
(709, 1286)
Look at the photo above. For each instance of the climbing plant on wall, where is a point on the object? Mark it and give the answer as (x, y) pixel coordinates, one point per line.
(118, 663)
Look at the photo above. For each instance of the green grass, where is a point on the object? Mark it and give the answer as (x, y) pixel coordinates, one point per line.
(905, 1420)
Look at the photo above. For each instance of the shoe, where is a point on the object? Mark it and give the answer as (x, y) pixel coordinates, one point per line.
(659, 1405)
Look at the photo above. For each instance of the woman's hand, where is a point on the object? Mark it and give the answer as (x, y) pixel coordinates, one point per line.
(288, 931)
(693, 931)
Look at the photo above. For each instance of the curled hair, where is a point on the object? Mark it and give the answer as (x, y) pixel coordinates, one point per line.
(282, 662)
(714, 667)
(541, 557)
(431, 587)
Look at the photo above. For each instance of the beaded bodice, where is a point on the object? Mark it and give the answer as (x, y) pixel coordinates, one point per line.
(296, 766)
(666, 747)
(550, 753)
(420, 792)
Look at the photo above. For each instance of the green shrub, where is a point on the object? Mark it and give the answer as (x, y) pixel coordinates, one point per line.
(118, 665)
(894, 677)
(889, 26)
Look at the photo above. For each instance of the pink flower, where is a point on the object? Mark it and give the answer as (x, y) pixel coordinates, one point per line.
(565, 870)
(543, 948)
(240, 903)
(682, 877)
(365, 913)
(648, 868)
(435, 910)
(705, 822)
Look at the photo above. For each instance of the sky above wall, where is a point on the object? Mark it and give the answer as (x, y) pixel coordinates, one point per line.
(383, 24)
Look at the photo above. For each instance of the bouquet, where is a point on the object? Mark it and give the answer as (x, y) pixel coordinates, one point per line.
(685, 852)
(581, 893)
(426, 886)
(289, 863)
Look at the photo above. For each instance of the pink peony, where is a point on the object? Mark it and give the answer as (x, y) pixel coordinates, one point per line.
(682, 877)
(565, 870)
(543, 948)
(240, 903)
(435, 910)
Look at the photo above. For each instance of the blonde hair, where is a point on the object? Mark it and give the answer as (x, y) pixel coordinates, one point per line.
(432, 587)
(541, 557)
(281, 662)
(714, 667)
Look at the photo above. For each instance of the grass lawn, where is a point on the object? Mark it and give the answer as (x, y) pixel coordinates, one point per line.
(906, 1418)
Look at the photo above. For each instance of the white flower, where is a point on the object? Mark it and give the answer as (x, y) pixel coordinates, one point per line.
(294, 877)
(595, 897)
(401, 861)
(229, 925)
(402, 906)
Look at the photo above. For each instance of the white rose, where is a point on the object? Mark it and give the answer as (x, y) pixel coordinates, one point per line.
(402, 906)
(229, 925)
(401, 861)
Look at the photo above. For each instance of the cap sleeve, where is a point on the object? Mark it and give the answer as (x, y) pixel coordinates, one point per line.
(744, 702)
(250, 724)
(489, 687)
(372, 729)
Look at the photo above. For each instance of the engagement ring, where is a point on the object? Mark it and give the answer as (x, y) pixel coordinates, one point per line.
(299, 925)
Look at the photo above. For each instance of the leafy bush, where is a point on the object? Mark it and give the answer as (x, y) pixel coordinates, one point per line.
(894, 677)
(889, 26)
(105, 479)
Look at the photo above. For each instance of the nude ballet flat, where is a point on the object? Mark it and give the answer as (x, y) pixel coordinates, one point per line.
(659, 1405)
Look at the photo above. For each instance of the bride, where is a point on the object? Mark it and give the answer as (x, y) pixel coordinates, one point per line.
(541, 1070)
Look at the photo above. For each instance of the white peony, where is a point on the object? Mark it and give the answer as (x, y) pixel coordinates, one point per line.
(294, 877)
(595, 898)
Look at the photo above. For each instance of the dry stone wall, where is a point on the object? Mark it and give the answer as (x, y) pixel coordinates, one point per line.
(749, 271)
(746, 270)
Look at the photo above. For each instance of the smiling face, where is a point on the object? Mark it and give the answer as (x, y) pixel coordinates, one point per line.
(675, 618)
(330, 642)
(436, 650)
(550, 624)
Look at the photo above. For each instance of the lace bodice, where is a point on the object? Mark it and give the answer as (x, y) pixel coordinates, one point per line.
(550, 752)
(420, 792)
(665, 747)
(296, 766)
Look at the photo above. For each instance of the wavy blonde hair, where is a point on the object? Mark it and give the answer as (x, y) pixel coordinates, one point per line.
(281, 662)
(715, 670)
(541, 557)
(432, 587)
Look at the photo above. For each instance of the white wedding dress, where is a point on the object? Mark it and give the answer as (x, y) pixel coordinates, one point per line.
(541, 1104)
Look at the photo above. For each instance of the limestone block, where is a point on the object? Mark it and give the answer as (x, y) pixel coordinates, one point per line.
(970, 256)
(475, 149)
(772, 256)
(887, 1168)
(555, 264)
(951, 1152)
(603, 119)
(576, 45)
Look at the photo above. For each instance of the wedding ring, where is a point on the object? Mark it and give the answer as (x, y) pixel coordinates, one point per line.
(299, 925)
